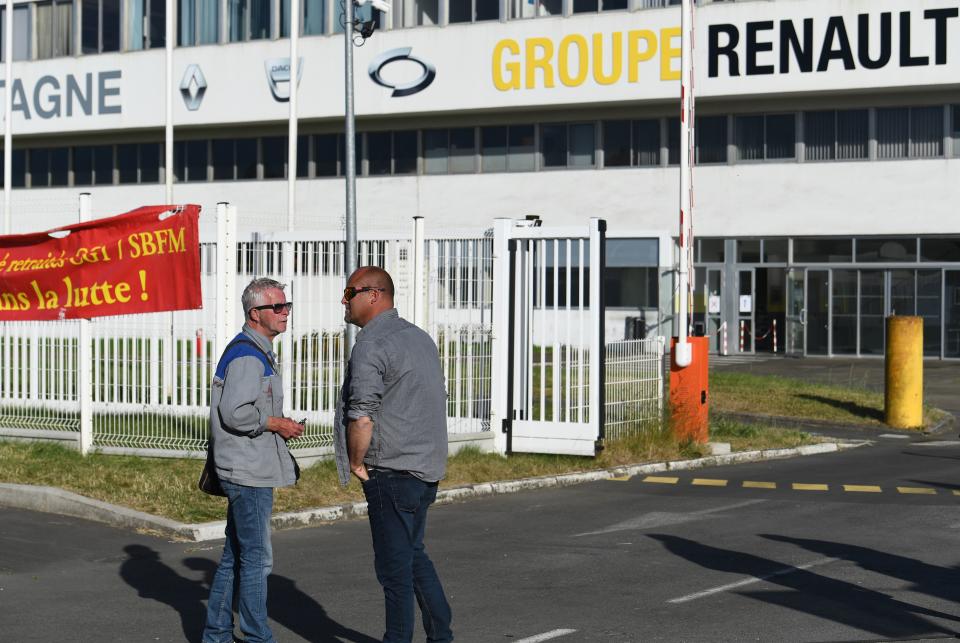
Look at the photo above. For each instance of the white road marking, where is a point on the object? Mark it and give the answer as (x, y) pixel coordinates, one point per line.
(894, 436)
(546, 636)
(749, 581)
(663, 518)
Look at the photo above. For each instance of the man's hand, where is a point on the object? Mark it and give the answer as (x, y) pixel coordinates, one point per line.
(285, 427)
(360, 472)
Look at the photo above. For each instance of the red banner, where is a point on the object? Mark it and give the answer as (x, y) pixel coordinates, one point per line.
(144, 261)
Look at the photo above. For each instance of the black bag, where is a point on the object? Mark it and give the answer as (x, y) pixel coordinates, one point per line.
(209, 480)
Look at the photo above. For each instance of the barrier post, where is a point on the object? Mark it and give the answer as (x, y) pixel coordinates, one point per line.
(723, 341)
(903, 382)
(741, 335)
(774, 336)
(85, 359)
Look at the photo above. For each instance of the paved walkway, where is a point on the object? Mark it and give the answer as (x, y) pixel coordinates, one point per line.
(941, 379)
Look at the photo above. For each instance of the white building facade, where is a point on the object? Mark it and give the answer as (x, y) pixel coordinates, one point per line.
(827, 182)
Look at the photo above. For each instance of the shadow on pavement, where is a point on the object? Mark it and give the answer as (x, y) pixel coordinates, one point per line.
(932, 580)
(287, 605)
(811, 593)
(850, 407)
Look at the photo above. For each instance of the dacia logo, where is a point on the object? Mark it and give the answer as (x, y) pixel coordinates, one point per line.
(193, 87)
(278, 76)
(428, 72)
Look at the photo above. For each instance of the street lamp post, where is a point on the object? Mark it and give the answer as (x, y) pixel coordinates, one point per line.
(350, 252)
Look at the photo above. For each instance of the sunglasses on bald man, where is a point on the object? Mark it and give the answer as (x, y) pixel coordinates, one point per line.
(352, 291)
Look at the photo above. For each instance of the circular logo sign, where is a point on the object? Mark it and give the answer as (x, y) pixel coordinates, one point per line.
(428, 72)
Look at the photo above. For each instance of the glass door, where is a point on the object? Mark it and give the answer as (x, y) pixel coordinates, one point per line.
(796, 312)
(818, 312)
(714, 287)
(745, 309)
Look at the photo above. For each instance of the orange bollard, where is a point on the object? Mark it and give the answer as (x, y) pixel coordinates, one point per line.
(689, 407)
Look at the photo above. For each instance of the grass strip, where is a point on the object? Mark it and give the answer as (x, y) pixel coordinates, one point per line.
(786, 397)
(168, 486)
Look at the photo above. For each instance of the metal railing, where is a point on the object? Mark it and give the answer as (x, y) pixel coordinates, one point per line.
(634, 386)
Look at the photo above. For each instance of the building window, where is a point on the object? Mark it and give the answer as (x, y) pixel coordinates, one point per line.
(940, 249)
(314, 17)
(535, 8)
(82, 165)
(884, 250)
(646, 142)
(952, 318)
(568, 145)
(246, 158)
(325, 154)
(146, 23)
(835, 134)
(103, 164)
(631, 278)
(54, 28)
(273, 151)
(711, 139)
(905, 132)
(405, 152)
(435, 150)
(190, 160)
(473, 10)
(955, 129)
(493, 149)
(774, 251)
(616, 144)
(583, 145)
(748, 251)
(673, 141)
(592, 6)
(250, 19)
(378, 153)
(22, 44)
(127, 163)
(150, 162)
(426, 12)
(222, 154)
(711, 250)
(100, 26)
(504, 148)
(199, 21)
(463, 150)
(765, 136)
(822, 250)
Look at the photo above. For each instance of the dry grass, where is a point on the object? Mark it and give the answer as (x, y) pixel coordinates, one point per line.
(167, 486)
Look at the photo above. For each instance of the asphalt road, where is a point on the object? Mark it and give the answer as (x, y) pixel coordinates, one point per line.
(704, 557)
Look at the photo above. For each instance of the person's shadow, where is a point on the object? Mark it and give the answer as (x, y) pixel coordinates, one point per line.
(145, 572)
(291, 607)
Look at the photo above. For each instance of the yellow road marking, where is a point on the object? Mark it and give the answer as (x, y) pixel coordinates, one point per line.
(709, 482)
(621, 478)
(865, 488)
(661, 479)
(801, 486)
(918, 490)
(750, 484)
(956, 492)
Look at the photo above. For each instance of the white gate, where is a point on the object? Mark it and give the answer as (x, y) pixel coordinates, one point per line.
(549, 340)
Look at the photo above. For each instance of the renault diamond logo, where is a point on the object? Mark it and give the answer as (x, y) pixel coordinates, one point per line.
(192, 87)
(428, 72)
(278, 77)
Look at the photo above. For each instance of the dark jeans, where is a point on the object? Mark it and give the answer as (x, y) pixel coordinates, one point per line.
(397, 506)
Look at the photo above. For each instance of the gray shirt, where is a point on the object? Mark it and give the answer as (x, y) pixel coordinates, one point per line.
(394, 377)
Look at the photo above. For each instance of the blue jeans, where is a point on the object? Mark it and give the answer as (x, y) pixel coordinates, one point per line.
(397, 505)
(247, 554)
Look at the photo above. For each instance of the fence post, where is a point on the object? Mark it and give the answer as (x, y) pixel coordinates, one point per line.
(226, 269)
(417, 308)
(287, 258)
(85, 360)
(598, 230)
(500, 333)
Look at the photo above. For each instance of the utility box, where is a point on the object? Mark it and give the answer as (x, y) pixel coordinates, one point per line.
(689, 400)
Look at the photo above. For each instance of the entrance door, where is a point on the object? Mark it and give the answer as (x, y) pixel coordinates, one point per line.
(745, 308)
(714, 288)
(796, 312)
(818, 312)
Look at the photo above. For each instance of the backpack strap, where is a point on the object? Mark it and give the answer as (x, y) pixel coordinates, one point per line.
(238, 347)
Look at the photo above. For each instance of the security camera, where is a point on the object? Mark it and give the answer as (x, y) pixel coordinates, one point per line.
(379, 5)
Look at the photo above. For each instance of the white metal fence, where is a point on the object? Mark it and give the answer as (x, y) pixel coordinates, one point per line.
(634, 386)
(149, 374)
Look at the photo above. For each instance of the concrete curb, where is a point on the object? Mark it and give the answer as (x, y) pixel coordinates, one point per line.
(58, 501)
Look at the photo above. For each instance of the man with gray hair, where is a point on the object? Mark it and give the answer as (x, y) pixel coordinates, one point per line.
(248, 435)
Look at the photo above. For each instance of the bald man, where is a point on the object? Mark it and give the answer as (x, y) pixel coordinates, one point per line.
(391, 433)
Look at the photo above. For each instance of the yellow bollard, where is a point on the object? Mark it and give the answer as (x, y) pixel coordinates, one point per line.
(903, 398)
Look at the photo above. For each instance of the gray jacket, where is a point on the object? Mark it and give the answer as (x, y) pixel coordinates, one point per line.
(394, 377)
(247, 389)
